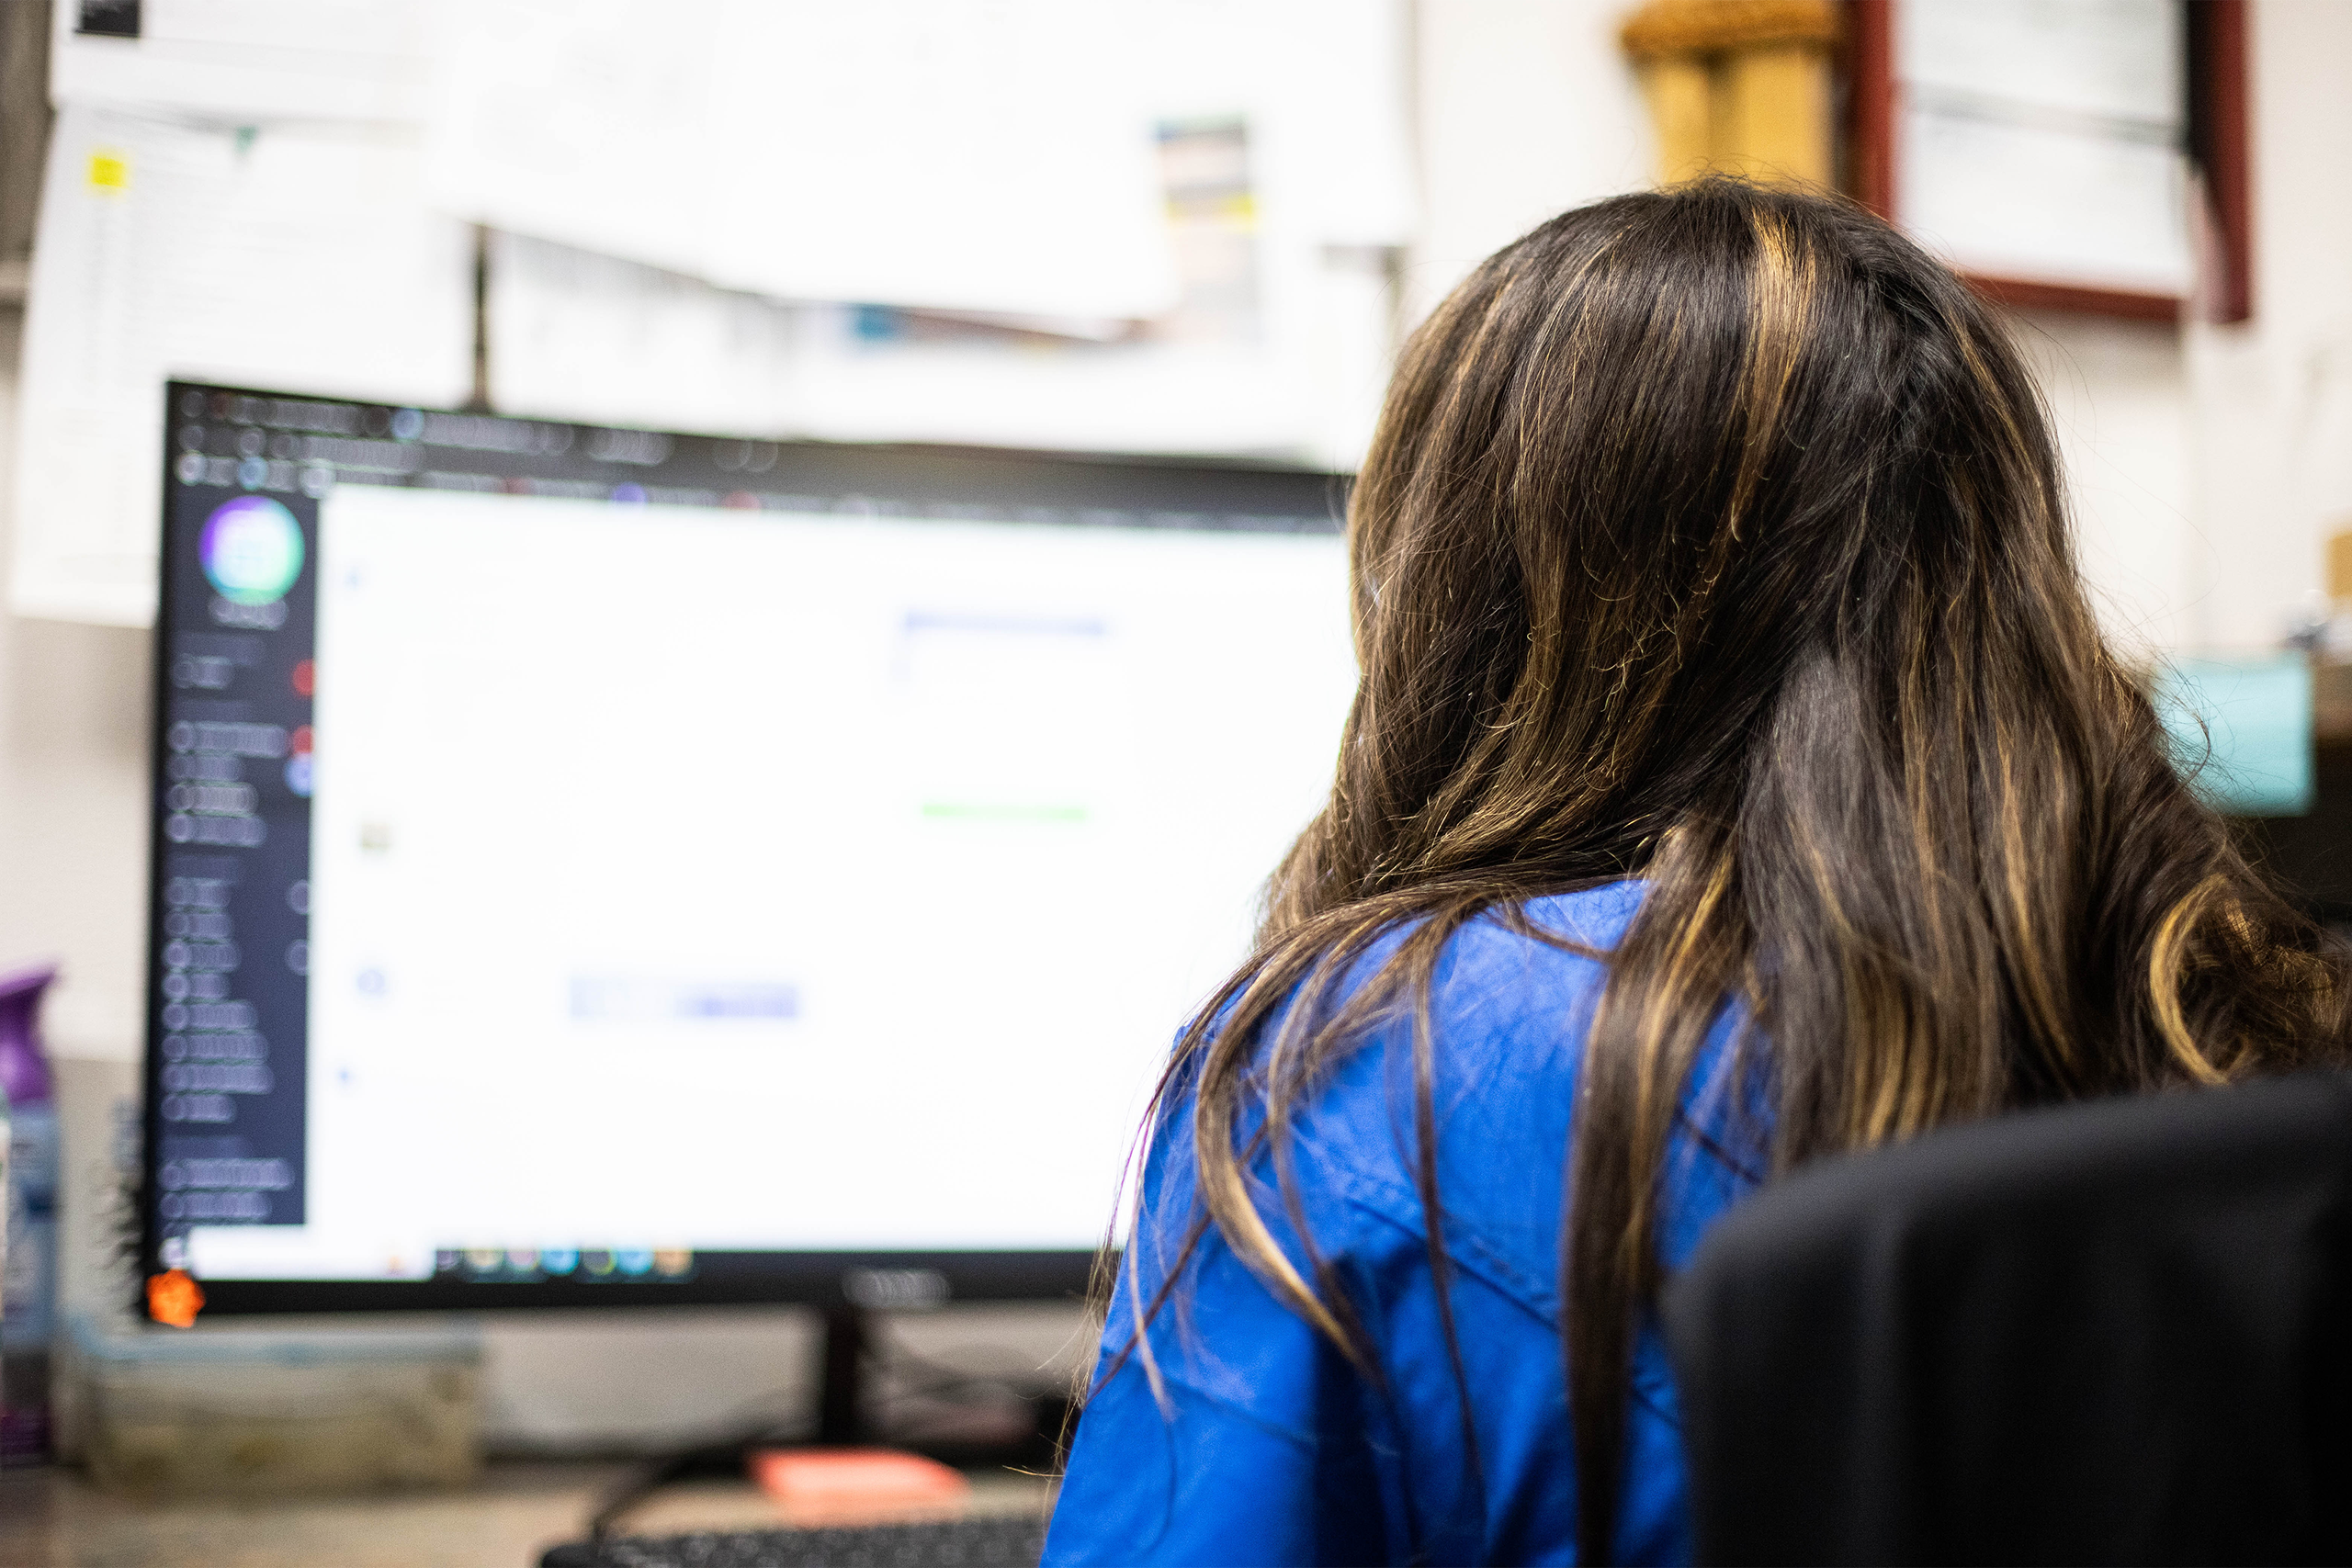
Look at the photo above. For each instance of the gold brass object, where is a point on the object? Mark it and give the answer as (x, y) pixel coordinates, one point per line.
(1739, 86)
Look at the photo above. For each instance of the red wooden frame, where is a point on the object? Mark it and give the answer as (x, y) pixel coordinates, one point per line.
(2219, 135)
(2220, 79)
(1870, 105)
(2131, 304)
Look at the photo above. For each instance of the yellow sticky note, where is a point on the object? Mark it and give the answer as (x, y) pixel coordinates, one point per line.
(110, 171)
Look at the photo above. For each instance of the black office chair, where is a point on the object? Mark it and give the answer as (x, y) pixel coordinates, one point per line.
(2112, 1332)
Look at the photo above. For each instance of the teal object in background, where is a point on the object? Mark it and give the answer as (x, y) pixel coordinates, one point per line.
(2252, 754)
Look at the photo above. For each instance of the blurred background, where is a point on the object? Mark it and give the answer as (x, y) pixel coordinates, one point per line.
(1195, 227)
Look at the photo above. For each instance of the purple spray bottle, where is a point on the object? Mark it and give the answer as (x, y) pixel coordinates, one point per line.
(29, 1274)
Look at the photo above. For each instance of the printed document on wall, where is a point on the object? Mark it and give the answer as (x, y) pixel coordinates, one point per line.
(581, 336)
(925, 152)
(297, 260)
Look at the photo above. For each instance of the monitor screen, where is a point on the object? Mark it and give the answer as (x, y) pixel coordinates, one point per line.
(601, 865)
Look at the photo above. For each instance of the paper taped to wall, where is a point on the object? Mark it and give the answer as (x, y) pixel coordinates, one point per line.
(928, 152)
(1281, 187)
(581, 336)
(296, 260)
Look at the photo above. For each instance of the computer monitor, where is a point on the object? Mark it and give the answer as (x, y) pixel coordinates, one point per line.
(598, 866)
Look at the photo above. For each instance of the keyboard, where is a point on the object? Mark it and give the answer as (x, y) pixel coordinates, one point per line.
(1013, 1543)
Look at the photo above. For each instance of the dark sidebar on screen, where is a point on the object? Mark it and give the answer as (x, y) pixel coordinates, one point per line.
(228, 998)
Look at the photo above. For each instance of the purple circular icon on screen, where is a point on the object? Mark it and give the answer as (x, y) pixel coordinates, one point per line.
(251, 550)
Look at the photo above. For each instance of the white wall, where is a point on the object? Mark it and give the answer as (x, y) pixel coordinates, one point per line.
(72, 806)
(2271, 401)
(1526, 108)
(2117, 394)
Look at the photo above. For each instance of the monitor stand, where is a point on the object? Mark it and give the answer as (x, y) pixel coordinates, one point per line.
(845, 1356)
(841, 1403)
(850, 1351)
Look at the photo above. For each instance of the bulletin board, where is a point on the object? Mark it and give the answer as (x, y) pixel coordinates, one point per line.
(2088, 157)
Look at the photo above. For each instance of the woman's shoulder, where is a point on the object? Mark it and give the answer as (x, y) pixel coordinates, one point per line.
(1528, 958)
(1512, 1005)
(1511, 994)
(1512, 1000)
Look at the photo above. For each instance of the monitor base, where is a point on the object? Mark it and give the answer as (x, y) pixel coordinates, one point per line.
(844, 1420)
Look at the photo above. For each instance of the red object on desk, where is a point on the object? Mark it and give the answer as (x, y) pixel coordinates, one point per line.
(175, 1298)
(847, 1483)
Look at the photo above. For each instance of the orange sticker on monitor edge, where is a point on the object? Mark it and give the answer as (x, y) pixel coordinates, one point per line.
(173, 1298)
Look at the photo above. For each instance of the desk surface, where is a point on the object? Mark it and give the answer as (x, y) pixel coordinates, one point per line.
(55, 1518)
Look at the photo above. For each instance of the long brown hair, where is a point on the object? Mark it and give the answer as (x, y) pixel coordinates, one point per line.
(1715, 536)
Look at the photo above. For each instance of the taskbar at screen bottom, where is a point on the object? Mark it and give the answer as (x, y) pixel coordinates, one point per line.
(880, 1280)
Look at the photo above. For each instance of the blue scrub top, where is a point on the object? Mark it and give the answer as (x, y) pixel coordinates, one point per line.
(1265, 1445)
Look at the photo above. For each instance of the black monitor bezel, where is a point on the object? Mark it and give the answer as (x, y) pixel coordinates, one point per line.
(827, 1279)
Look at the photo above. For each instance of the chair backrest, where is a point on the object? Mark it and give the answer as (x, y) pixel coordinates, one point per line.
(2118, 1331)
